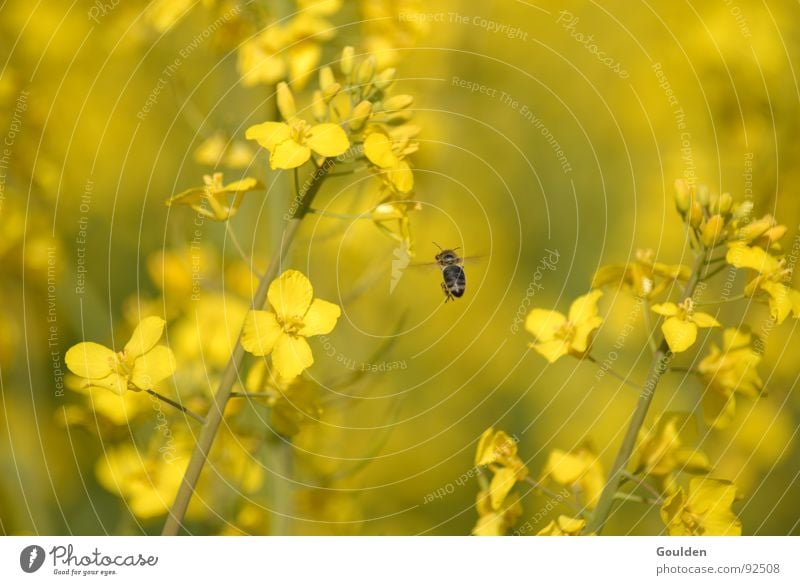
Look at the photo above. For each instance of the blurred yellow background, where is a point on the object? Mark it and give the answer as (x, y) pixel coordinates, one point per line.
(550, 138)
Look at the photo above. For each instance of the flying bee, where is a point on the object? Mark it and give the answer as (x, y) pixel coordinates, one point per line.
(454, 280)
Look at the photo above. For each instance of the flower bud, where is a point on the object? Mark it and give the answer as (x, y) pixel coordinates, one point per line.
(318, 106)
(724, 204)
(398, 102)
(346, 62)
(331, 91)
(326, 78)
(365, 71)
(359, 115)
(695, 215)
(712, 231)
(683, 196)
(703, 195)
(286, 101)
(385, 78)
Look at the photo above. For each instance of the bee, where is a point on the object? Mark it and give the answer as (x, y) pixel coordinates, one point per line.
(454, 280)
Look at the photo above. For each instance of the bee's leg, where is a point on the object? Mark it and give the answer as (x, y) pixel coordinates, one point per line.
(447, 295)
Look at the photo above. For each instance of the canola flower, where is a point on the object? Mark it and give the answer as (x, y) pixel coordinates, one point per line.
(498, 452)
(726, 371)
(704, 511)
(579, 470)
(282, 331)
(141, 363)
(563, 526)
(682, 323)
(215, 200)
(558, 335)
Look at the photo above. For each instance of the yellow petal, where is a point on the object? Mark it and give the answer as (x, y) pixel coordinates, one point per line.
(484, 454)
(565, 468)
(378, 149)
(583, 335)
(680, 334)
(402, 177)
(328, 140)
(289, 155)
(145, 336)
(705, 320)
(290, 296)
(291, 356)
(585, 307)
(320, 318)
(780, 302)
(246, 184)
(152, 367)
(260, 332)
(666, 309)
(114, 382)
(571, 526)
(609, 274)
(753, 258)
(268, 134)
(90, 360)
(502, 483)
(543, 324)
(551, 350)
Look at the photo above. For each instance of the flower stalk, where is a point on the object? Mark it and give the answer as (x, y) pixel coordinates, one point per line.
(659, 365)
(213, 418)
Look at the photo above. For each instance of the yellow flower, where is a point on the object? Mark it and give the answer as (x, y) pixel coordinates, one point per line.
(138, 366)
(563, 526)
(212, 200)
(498, 451)
(295, 315)
(680, 327)
(496, 521)
(644, 276)
(772, 272)
(579, 470)
(389, 156)
(661, 451)
(557, 335)
(706, 511)
(391, 217)
(762, 232)
(147, 483)
(290, 143)
(287, 51)
(727, 371)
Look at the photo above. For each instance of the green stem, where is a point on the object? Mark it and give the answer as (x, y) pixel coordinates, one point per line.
(648, 323)
(208, 432)
(720, 301)
(658, 366)
(614, 374)
(177, 405)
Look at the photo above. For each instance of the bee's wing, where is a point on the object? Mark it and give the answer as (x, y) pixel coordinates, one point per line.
(472, 260)
(425, 265)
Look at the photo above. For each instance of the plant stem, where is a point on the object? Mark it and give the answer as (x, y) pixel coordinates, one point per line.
(177, 405)
(615, 374)
(648, 323)
(740, 297)
(658, 366)
(208, 432)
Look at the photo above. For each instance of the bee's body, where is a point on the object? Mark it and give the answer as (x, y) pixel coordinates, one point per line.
(454, 280)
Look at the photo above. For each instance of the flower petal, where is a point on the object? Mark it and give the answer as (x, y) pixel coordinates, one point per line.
(303, 59)
(705, 320)
(260, 332)
(320, 319)
(268, 134)
(290, 295)
(502, 483)
(90, 360)
(378, 149)
(780, 302)
(754, 258)
(145, 336)
(152, 367)
(666, 309)
(680, 334)
(291, 356)
(551, 350)
(289, 155)
(114, 382)
(543, 324)
(585, 307)
(583, 334)
(402, 177)
(328, 140)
